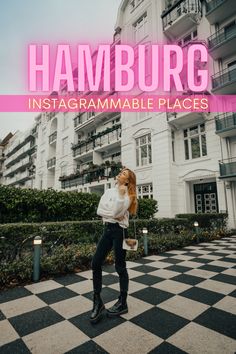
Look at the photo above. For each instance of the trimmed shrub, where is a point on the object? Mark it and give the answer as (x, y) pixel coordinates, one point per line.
(78, 257)
(214, 220)
(33, 205)
(16, 239)
(146, 208)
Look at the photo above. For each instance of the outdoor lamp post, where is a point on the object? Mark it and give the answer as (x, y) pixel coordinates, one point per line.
(145, 241)
(37, 252)
(196, 225)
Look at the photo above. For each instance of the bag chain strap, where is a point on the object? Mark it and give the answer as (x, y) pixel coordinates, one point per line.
(134, 230)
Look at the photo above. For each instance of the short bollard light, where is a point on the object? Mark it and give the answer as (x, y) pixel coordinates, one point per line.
(196, 225)
(37, 253)
(145, 241)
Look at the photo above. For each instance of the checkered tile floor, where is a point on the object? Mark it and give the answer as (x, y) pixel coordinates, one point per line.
(181, 301)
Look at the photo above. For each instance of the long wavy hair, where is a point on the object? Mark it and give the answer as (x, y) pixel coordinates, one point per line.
(132, 191)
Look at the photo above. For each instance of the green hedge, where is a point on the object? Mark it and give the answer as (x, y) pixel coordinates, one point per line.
(15, 238)
(32, 205)
(78, 257)
(214, 220)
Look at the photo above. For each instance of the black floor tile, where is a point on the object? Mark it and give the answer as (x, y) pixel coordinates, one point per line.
(35, 320)
(233, 293)
(160, 322)
(188, 279)
(2, 317)
(109, 268)
(152, 295)
(143, 261)
(166, 348)
(147, 279)
(212, 268)
(201, 260)
(16, 347)
(110, 279)
(218, 320)
(56, 295)
(191, 254)
(210, 249)
(166, 254)
(216, 253)
(92, 330)
(107, 294)
(228, 259)
(202, 295)
(70, 279)
(144, 268)
(13, 294)
(89, 347)
(225, 278)
(172, 260)
(178, 268)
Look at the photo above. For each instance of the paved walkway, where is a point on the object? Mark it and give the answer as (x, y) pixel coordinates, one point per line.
(181, 301)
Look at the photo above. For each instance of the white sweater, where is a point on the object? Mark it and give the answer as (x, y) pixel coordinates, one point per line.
(112, 205)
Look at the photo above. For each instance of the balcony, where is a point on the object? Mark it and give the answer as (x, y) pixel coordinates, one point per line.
(222, 43)
(224, 82)
(228, 169)
(219, 10)
(82, 121)
(226, 124)
(99, 142)
(51, 163)
(94, 174)
(180, 17)
(180, 119)
(19, 179)
(52, 138)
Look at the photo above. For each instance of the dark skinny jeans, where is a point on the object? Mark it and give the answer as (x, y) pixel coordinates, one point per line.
(112, 236)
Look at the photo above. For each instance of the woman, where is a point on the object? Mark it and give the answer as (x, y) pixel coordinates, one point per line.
(115, 206)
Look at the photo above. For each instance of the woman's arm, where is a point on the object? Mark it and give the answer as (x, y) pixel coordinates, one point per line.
(120, 205)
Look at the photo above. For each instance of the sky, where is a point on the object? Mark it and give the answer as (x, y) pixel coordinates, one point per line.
(50, 21)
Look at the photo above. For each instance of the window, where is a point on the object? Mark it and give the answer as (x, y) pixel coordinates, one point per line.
(188, 38)
(63, 170)
(195, 142)
(173, 145)
(140, 28)
(90, 115)
(65, 146)
(145, 191)
(143, 150)
(132, 4)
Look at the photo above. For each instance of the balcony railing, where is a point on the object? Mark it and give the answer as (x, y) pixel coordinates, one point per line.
(221, 36)
(228, 168)
(53, 137)
(182, 7)
(213, 4)
(225, 122)
(82, 119)
(224, 77)
(103, 138)
(97, 174)
(51, 163)
(218, 10)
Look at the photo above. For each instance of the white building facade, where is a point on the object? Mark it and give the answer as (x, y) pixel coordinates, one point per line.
(19, 159)
(186, 161)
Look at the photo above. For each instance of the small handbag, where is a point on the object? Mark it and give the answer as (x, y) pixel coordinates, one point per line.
(130, 244)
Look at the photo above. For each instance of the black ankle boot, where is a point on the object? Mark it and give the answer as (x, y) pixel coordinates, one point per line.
(119, 307)
(98, 308)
